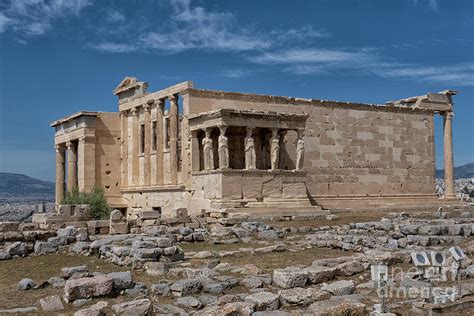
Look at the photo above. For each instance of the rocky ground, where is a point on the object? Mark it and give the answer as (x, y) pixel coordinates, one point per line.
(319, 267)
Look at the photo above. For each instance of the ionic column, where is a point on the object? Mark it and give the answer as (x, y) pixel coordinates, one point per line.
(195, 154)
(147, 163)
(71, 166)
(223, 148)
(135, 147)
(60, 172)
(173, 139)
(124, 143)
(160, 108)
(448, 156)
(275, 149)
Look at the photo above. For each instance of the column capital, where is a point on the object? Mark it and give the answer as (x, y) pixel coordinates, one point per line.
(124, 112)
(59, 147)
(134, 111)
(249, 131)
(208, 131)
(449, 115)
(223, 129)
(69, 144)
(147, 107)
(173, 98)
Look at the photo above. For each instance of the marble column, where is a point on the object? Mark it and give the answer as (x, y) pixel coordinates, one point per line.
(223, 148)
(147, 145)
(173, 139)
(60, 173)
(86, 163)
(195, 154)
(275, 149)
(135, 147)
(124, 143)
(71, 166)
(250, 157)
(160, 108)
(448, 156)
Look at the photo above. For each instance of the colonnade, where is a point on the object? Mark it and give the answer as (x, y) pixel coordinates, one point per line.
(249, 147)
(146, 149)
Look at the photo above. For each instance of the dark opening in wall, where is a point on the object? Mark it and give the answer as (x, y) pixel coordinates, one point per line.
(155, 135)
(142, 138)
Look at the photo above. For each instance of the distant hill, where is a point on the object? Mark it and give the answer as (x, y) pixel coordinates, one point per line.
(466, 171)
(20, 185)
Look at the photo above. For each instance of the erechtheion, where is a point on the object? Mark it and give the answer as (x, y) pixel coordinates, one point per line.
(182, 147)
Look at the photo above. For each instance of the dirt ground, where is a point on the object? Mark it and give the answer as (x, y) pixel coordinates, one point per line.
(41, 268)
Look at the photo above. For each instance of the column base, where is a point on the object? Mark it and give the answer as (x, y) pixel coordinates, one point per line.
(449, 197)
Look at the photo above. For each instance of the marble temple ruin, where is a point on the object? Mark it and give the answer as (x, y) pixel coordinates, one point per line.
(182, 147)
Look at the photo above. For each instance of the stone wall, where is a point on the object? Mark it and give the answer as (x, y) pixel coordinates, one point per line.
(107, 155)
(351, 149)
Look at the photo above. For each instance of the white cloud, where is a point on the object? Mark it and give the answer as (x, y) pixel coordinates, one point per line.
(459, 74)
(114, 47)
(193, 27)
(4, 21)
(313, 55)
(236, 73)
(322, 61)
(35, 17)
(114, 16)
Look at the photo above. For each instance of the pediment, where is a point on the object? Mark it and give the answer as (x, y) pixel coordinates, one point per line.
(129, 83)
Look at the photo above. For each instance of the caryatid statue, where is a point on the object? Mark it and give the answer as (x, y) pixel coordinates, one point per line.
(250, 158)
(275, 150)
(208, 153)
(300, 151)
(223, 149)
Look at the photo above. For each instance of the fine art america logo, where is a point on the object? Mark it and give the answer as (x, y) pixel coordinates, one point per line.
(432, 278)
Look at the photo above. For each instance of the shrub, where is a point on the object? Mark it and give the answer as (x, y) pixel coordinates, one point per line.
(99, 208)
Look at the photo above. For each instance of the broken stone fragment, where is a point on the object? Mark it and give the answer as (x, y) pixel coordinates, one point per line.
(264, 301)
(290, 277)
(25, 284)
(132, 308)
(51, 304)
(339, 288)
(69, 271)
(87, 287)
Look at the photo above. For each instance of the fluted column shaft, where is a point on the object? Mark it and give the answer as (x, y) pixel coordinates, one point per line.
(71, 166)
(135, 147)
(173, 139)
(147, 147)
(448, 155)
(60, 173)
(160, 107)
(124, 138)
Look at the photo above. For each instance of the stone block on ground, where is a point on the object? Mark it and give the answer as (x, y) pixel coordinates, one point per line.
(302, 296)
(69, 271)
(51, 304)
(264, 301)
(290, 277)
(132, 308)
(25, 284)
(339, 288)
(88, 287)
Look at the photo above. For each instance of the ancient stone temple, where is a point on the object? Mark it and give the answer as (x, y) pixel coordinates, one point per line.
(182, 147)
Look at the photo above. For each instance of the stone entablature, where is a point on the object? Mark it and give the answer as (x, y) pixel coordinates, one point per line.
(160, 143)
(245, 118)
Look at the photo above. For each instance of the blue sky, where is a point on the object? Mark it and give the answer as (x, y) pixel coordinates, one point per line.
(61, 56)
